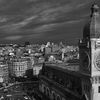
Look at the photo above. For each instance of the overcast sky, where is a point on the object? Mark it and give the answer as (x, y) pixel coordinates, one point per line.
(39, 21)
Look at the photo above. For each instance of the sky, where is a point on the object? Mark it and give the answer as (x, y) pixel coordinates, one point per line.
(39, 21)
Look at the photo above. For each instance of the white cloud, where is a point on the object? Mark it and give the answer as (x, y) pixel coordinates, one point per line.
(3, 19)
(17, 37)
(74, 21)
(15, 27)
(46, 27)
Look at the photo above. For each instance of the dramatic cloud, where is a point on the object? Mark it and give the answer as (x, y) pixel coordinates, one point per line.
(37, 19)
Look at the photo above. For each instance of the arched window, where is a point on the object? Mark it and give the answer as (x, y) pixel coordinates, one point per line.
(44, 90)
(63, 99)
(40, 87)
(58, 97)
(53, 96)
(83, 98)
(47, 91)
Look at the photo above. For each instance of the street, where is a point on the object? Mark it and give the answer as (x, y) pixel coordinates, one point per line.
(14, 92)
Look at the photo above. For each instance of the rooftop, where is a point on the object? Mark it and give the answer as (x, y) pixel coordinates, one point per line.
(69, 66)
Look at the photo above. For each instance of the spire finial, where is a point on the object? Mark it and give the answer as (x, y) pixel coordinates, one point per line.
(94, 8)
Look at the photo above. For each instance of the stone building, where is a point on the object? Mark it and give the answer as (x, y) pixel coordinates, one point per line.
(4, 74)
(18, 67)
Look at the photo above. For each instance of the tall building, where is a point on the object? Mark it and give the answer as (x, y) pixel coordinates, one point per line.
(89, 50)
(76, 81)
(4, 74)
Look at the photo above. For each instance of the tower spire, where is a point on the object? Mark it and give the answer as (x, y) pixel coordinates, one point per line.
(92, 28)
(94, 8)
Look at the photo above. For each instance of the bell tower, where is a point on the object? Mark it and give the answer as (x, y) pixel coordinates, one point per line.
(89, 50)
(90, 44)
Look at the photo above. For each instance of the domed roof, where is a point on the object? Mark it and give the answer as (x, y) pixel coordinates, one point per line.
(92, 28)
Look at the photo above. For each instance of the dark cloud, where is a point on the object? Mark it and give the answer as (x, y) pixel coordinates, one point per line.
(43, 20)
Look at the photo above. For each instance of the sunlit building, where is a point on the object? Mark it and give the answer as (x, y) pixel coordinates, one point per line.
(4, 74)
(37, 68)
(18, 66)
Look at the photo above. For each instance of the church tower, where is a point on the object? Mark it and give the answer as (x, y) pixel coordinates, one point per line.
(89, 50)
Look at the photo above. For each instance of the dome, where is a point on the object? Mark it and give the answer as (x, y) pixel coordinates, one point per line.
(92, 27)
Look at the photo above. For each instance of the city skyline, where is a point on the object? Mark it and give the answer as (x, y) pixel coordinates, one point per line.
(43, 20)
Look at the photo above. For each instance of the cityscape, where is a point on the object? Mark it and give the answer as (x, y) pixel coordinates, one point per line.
(49, 50)
(21, 64)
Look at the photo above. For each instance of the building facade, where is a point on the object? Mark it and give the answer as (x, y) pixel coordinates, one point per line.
(4, 74)
(37, 68)
(57, 82)
(18, 67)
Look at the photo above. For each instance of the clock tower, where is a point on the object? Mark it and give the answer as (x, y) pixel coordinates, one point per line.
(89, 50)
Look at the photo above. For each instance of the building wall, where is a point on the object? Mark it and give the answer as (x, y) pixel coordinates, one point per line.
(18, 67)
(59, 85)
(4, 73)
(36, 69)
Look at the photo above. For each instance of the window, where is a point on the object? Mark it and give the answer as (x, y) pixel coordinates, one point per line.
(86, 87)
(44, 90)
(58, 97)
(60, 81)
(96, 79)
(53, 96)
(99, 79)
(50, 75)
(46, 74)
(98, 89)
(63, 99)
(47, 91)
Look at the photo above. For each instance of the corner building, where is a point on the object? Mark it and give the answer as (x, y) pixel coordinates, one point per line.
(18, 67)
(59, 82)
